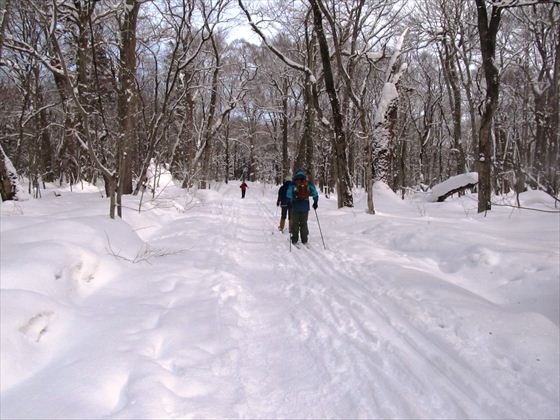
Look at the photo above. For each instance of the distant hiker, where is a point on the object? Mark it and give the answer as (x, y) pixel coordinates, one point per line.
(284, 203)
(243, 187)
(298, 195)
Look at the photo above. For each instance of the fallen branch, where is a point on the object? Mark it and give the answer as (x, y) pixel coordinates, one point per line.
(145, 253)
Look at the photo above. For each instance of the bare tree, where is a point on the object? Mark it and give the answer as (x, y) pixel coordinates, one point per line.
(344, 185)
(488, 30)
(90, 89)
(5, 12)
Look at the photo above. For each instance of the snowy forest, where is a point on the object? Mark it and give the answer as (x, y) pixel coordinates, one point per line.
(159, 158)
(409, 93)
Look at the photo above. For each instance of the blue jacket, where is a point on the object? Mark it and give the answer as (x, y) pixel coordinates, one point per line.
(282, 198)
(301, 206)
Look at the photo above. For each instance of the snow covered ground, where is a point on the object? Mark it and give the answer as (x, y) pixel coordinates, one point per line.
(196, 308)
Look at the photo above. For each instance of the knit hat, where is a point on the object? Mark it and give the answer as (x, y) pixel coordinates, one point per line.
(299, 174)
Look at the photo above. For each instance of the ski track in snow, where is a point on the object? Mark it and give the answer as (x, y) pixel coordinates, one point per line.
(310, 333)
(386, 349)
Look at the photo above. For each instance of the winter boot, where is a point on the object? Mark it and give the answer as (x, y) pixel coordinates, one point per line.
(281, 227)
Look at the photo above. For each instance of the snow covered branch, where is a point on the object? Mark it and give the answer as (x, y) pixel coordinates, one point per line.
(276, 51)
(517, 3)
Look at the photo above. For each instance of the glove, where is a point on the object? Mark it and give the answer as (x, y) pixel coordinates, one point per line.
(277, 203)
(315, 205)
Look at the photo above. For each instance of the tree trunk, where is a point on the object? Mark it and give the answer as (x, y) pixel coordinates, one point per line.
(386, 118)
(285, 163)
(304, 154)
(46, 154)
(305, 146)
(208, 140)
(4, 24)
(227, 163)
(8, 178)
(369, 177)
(127, 97)
(344, 184)
(451, 77)
(488, 31)
(188, 136)
(554, 124)
(252, 176)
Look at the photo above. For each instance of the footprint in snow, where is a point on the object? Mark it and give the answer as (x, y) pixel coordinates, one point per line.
(36, 326)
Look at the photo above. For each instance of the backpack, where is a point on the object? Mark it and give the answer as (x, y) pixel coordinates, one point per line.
(301, 190)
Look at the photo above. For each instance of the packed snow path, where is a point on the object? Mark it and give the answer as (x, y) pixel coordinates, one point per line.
(236, 325)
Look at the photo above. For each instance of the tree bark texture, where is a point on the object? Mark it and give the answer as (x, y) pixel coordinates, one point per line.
(285, 110)
(127, 101)
(554, 124)
(208, 135)
(488, 30)
(8, 178)
(344, 184)
(4, 24)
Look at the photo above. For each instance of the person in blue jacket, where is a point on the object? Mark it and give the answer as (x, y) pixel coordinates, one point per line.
(298, 195)
(283, 202)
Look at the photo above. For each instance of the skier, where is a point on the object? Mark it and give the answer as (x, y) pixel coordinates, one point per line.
(298, 195)
(243, 187)
(283, 202)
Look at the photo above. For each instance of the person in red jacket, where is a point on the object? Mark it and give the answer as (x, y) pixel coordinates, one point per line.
(243, 187)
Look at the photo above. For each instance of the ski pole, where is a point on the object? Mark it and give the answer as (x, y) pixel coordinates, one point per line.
(323, 239)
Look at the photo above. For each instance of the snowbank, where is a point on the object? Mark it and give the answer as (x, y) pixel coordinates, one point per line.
(435, 311)
(49, 266)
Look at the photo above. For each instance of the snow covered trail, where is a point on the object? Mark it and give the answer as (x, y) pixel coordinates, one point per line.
(230, 323)
(318, 337)
(351, 345)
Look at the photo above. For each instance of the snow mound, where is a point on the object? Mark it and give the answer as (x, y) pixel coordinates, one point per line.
(385, 199)
(537, 198)
(47, 269)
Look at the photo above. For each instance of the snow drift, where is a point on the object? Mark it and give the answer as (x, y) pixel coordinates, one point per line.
(195, 307)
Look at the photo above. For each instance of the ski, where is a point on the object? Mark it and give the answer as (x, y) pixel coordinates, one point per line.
(300, 245)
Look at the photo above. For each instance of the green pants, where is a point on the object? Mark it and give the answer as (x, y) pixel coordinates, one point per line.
(299, 225)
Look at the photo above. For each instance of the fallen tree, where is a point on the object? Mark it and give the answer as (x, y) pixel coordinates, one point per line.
(455, 184)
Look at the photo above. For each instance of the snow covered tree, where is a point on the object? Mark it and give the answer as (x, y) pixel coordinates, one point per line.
(543, 49)
(488, 26)
(384, 122)
(5, 15)
(513, 3)
(10, 187)
(92, 89)
(344, 184)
